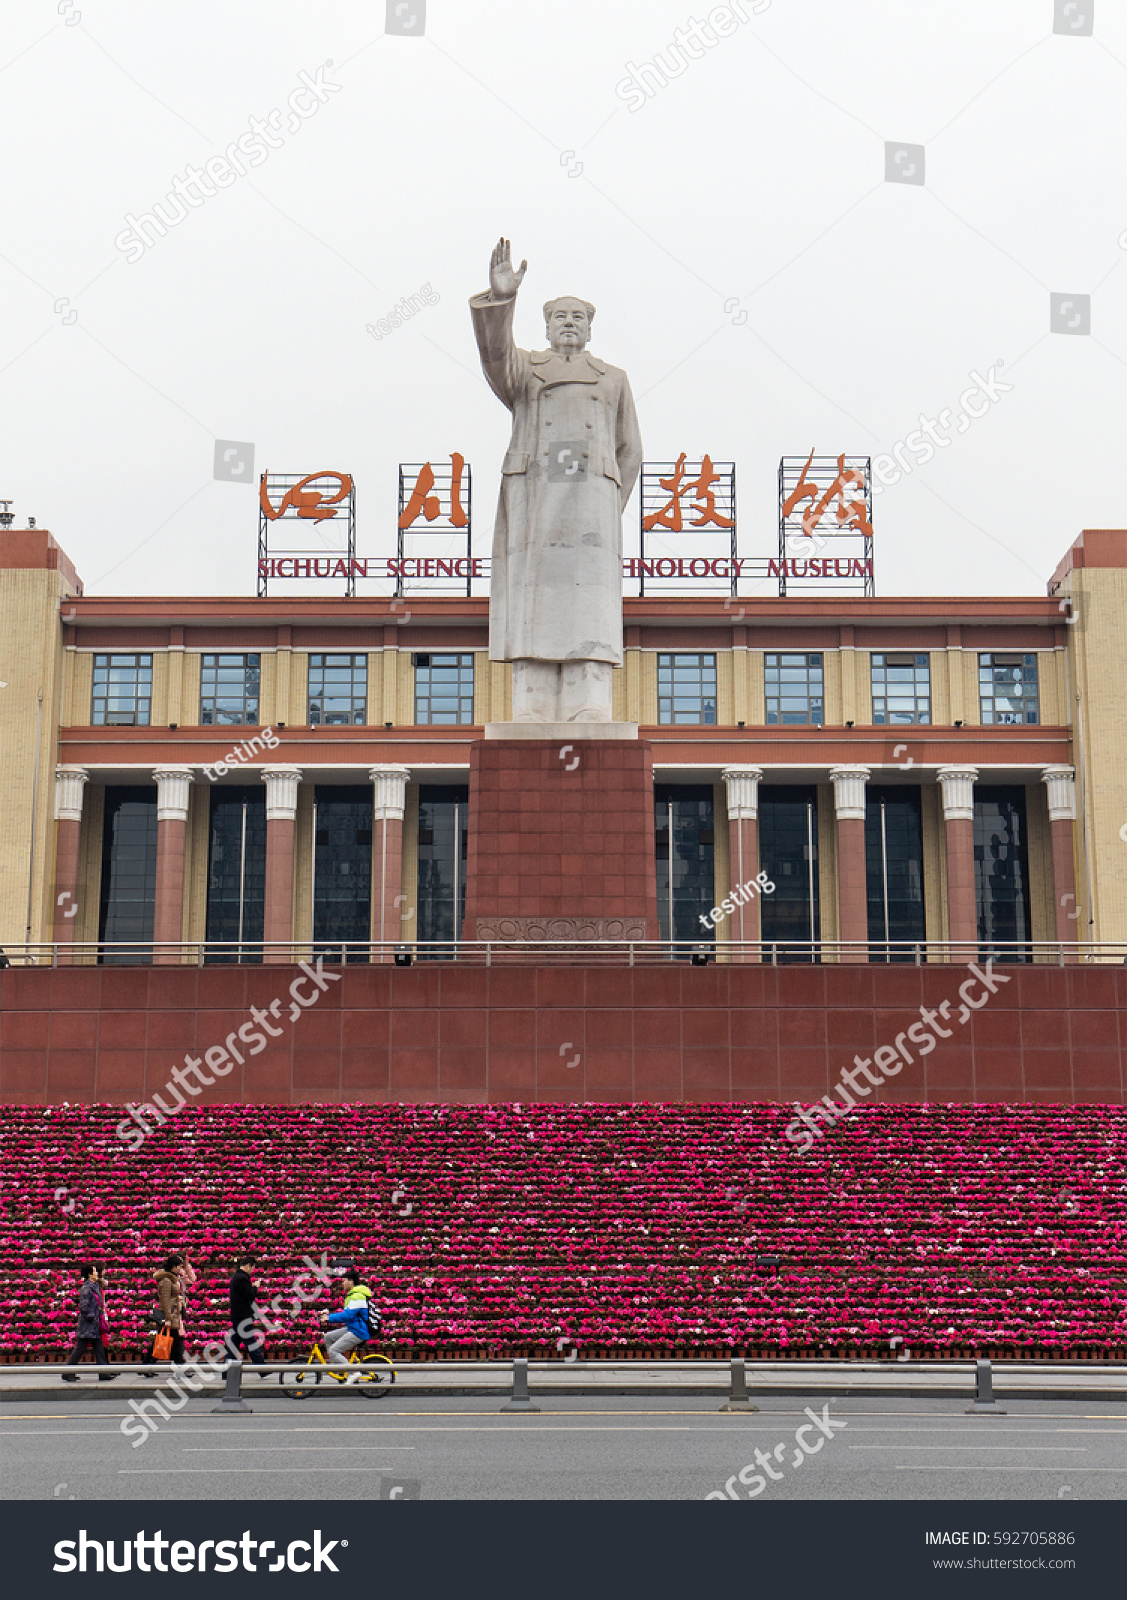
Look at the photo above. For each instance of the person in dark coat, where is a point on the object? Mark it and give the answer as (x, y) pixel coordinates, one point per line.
(89, 1330)
(244, 1332)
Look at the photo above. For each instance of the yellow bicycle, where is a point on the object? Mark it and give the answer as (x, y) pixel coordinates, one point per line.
(370, 1372)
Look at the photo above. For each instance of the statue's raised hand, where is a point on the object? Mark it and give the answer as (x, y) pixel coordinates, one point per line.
(503, 281)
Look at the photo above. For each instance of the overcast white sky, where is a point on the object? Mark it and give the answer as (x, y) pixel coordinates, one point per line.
(756, 176)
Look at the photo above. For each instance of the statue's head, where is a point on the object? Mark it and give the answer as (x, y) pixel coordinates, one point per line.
(568, 323)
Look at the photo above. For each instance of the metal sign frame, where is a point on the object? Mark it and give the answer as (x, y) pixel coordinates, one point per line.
(443, 497)
(313, 500)
(665, 486)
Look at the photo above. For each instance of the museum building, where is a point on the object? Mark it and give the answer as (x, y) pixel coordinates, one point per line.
(208, 783)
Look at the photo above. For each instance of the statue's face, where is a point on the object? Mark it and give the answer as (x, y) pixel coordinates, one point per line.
(568, 327)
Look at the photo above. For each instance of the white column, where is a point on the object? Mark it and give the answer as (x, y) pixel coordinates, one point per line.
(852, 886)
(281, 792)
(958, 784)
(69, 784)
(173, 785)
(389, 799)
(173, 788)
(1061, 784)
(849, 792)
(281, 812)
(389, 792)
(742, 786)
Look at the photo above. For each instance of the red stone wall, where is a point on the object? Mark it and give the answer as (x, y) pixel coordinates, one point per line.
(561, 830)
(458, 1033)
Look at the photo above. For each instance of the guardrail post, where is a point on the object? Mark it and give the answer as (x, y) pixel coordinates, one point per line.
(521, 1400)
(233, 1392)
(738, 1397)
(984, 1401)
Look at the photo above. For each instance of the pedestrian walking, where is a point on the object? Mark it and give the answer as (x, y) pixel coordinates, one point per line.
(171, 1305)
(244, 1334)
(90, 1324)
(186, 1276)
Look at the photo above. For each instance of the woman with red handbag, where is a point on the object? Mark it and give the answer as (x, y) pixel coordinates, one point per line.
(91, 1322)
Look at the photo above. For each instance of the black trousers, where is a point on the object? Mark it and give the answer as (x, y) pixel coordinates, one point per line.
(79, 1351)
(252, 1346)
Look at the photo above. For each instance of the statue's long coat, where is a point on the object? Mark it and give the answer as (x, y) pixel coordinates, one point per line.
(556, 585)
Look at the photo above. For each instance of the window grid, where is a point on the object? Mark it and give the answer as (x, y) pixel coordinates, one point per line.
(229, 690)
(123, 691)
(794, 688)
(901, 689)
(443, 689)
(338, 690)
(686, 689)
(1007, 688)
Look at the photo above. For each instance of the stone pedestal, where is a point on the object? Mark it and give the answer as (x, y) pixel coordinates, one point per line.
(561, 841)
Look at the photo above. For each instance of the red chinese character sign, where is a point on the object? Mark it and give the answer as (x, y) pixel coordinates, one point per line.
(435, 503)
(825, 525)
(688, 525)
(320, 506)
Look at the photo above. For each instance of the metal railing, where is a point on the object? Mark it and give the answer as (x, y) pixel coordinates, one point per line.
(607, 952)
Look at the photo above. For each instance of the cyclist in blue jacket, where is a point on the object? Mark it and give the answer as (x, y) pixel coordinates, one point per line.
(352, 1321)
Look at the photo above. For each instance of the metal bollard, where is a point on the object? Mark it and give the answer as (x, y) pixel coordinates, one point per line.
(984, 1401)
(232, 1395)
(738, 1397)
(520, 1398)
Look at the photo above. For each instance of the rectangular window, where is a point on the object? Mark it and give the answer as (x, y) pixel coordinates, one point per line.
(443, 847)
(129, 874)
(338, 691)
(236, 875)
(894, 870)
(794, 692)
(901, 689)
(1001, 873)
(229, 691)
(684, 840)
(790, 916)
(686, 689)
(443, 689)
(342, 869)
(123, 691)
(1007, 687)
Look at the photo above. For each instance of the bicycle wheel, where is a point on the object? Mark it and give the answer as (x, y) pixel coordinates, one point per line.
(299, 1385)
(376, 1376)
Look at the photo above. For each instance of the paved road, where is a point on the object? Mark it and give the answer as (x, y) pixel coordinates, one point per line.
(579, 1449)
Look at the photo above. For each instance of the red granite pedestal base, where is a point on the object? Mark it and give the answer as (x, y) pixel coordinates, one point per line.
(561, 840)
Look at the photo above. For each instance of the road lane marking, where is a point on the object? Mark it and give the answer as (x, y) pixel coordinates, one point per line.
(142, 1472)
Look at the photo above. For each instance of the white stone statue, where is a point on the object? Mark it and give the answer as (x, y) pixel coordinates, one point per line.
(555, 606)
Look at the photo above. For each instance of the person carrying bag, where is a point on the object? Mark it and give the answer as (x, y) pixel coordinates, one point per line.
(91, 1321)
(168, 1345)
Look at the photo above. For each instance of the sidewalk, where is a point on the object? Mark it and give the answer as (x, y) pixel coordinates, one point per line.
(907, 1379)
